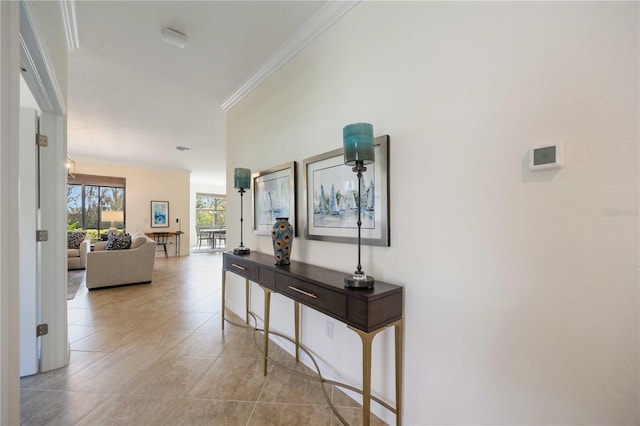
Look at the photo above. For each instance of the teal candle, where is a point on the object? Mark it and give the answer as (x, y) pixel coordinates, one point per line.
(358, 143)
(241, 178)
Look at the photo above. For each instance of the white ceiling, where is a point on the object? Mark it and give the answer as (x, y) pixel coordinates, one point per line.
(133, 97)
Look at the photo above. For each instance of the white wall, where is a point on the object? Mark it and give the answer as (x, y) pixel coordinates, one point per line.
(143, 186)
(26, 97)
(521, 287)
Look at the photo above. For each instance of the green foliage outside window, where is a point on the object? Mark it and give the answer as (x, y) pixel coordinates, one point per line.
(86, 202)
(210, 210)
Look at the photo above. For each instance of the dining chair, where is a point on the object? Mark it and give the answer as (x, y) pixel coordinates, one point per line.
(220, 235)
(204, 235)
(161, 242)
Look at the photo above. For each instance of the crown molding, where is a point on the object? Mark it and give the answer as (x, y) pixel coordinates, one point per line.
(316, 25)
(70, 20)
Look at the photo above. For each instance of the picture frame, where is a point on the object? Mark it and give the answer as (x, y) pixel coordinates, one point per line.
(331, 198)
(274, 196)
(159, 214)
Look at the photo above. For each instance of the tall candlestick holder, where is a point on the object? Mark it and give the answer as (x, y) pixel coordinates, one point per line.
(358, 151)
(241, 182)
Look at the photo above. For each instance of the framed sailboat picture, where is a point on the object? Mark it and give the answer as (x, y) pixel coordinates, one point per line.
(331, 198)
(274, 196)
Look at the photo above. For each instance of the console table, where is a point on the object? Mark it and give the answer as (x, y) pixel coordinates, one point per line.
(365, 311)
(176, 234)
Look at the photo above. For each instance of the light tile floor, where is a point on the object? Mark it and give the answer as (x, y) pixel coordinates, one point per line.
(155, 355)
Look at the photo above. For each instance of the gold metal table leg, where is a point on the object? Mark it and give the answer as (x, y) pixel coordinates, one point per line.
(267, 309)
(296, 308)
(367, 339)
(246, 301)
(247, 293)
(399, 330)
(224, 288)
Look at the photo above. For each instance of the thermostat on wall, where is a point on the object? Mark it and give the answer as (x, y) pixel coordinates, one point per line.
(545, 157)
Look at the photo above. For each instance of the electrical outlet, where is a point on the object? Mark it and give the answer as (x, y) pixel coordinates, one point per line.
(328, 330)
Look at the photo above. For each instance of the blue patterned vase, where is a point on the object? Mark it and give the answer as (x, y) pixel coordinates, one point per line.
(282, 236)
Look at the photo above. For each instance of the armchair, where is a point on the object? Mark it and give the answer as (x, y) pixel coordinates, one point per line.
(77, 258)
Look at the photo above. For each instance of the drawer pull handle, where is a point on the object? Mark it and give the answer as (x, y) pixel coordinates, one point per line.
(306, 293)
(242, 268)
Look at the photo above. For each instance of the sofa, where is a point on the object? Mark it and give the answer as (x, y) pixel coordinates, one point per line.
(78, 246)
(109, 266)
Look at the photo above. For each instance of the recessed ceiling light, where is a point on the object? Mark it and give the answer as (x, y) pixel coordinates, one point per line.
(174, 37)
(182, 148)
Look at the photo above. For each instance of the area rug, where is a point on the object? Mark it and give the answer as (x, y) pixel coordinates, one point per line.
(74, 280)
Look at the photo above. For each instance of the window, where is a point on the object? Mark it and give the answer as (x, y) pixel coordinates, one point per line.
(88, 196)
(210, 210)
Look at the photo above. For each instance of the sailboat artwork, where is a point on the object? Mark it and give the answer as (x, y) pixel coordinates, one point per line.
(273, 196)
(335, 195)
(333, 204)
(371, 199)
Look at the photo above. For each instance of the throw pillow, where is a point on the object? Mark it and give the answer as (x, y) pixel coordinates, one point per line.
(75, 238)
(137, 241)
(118, 242)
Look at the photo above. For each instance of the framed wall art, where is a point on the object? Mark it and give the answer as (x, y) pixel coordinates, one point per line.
(159, 214)
(331, 198)
(274, 196)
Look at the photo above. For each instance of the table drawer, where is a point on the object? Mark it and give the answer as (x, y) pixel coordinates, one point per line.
(267, 277)
(241, 267)
(312, 295)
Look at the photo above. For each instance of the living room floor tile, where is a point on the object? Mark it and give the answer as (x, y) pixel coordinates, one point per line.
(131, 410)
(58, 379)
(169, 376)
(163, 339)
(156, 354)
(79, 332)
(239, 379)
(188, 320)
(203, 343)
(283, 386)
(290, 414)
(46, 407)
(105, 339)
(201, 412)
(250, 345)
(113, 372)
(76, 314)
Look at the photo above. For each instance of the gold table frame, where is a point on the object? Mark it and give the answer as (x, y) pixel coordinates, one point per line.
(366, 338)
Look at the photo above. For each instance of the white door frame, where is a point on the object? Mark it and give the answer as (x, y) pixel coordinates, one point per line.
(40, 77)
(28, 248)
(55, 349)
(9, 197)
(21, 45)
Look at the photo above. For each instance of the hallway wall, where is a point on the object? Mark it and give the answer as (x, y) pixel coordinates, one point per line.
(521, 287)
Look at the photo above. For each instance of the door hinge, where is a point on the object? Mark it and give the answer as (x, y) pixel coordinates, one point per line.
(42, 329)
(42, 140)
(42, 235)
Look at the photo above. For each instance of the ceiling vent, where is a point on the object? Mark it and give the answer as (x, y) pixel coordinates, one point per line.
(174, 37)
